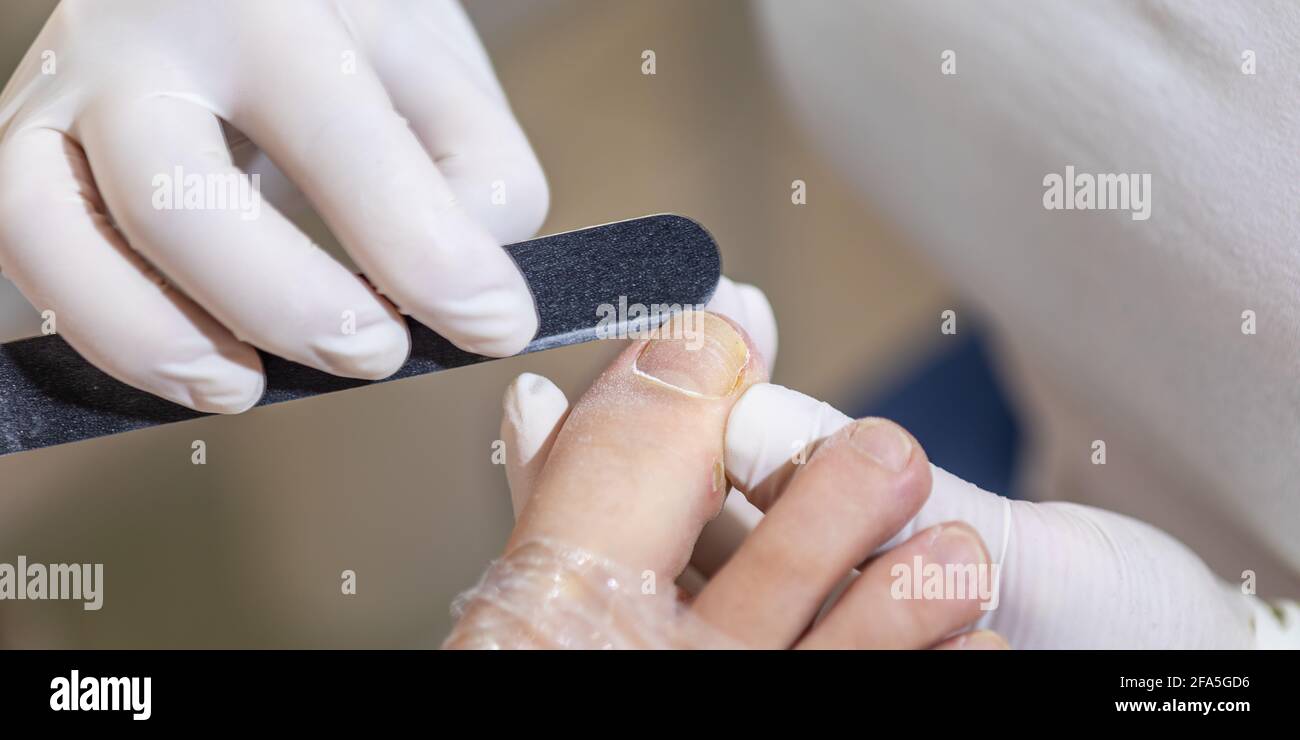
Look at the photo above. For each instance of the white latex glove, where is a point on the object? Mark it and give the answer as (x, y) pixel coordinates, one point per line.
(384, 113)
(1070, 577)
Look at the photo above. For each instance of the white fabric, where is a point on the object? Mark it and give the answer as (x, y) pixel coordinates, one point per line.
(1126, 331)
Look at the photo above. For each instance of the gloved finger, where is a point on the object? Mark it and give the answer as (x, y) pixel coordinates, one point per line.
(442, 23)
(875, 614)
(763, 454)
(59, 247)
(168, 181)
(748, 306)
(772, 429)
(974, 640)
(63, 252)
(534, 410)
(332, 129)
(467, 128)
(446, 21)
(636, 469)
(856, 490)
(1112, 559)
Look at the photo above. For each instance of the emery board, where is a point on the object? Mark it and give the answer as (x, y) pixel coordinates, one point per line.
(49, 395)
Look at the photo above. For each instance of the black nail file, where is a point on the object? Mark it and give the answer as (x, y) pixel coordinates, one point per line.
(49, 395)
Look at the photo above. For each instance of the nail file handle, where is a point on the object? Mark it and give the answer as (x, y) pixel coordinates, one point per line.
(49, 395)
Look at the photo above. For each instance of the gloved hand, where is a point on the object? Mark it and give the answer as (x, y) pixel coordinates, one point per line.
(1070, 576)
(613, 492)
(121, 209)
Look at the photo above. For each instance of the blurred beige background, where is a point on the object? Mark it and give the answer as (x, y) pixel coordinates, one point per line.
(395, 482)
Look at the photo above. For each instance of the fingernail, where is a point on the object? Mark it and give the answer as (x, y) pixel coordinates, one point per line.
(954, 544)
(883, 442)
(696, 353)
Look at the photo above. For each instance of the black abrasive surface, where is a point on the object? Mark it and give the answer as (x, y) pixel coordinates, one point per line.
(49, 395)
